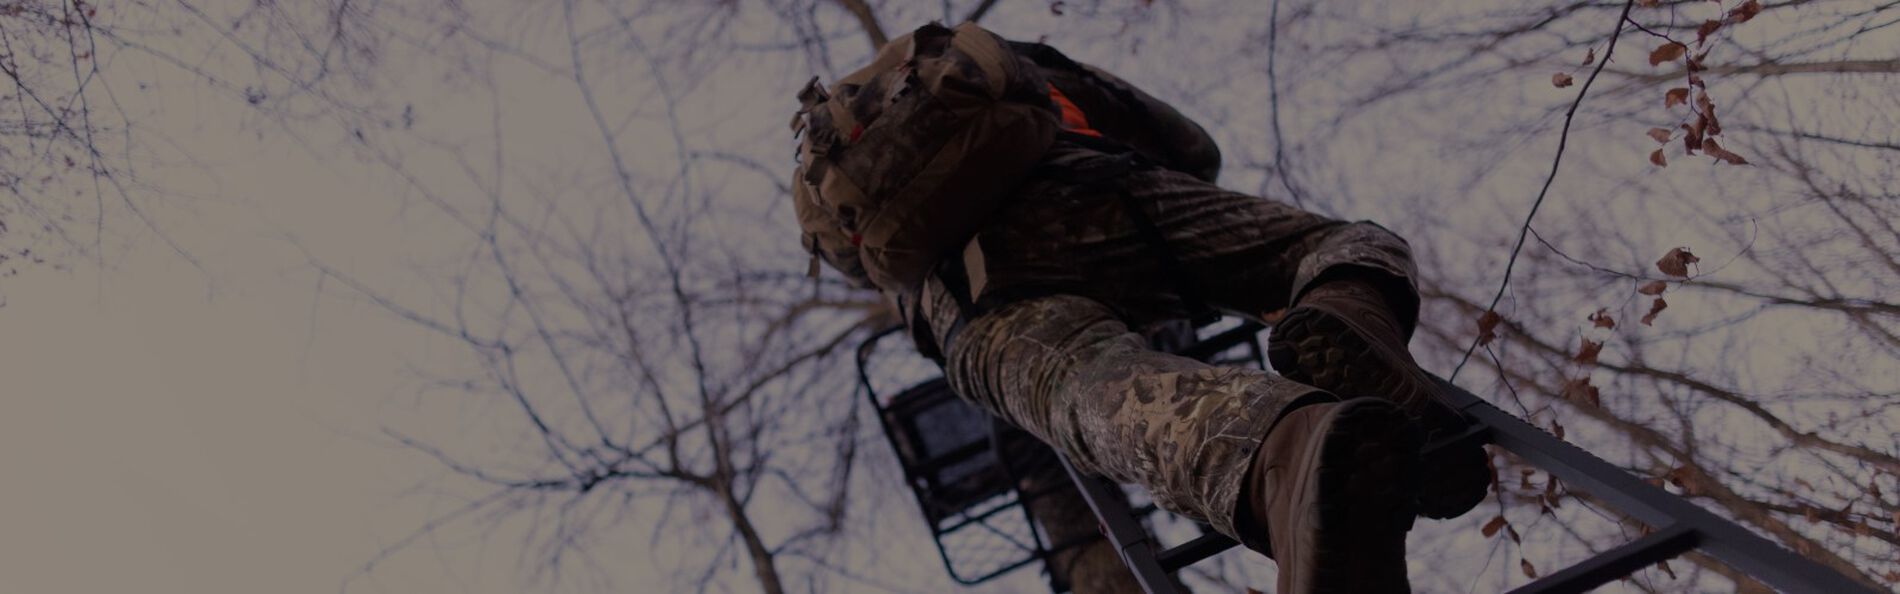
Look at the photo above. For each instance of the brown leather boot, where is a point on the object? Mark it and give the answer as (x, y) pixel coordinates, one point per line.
(1343, 337)
(1329, 497)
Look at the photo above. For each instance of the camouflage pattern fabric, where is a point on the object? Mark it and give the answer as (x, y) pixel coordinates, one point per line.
(1062, 281)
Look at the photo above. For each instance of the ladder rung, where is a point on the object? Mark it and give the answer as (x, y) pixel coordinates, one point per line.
(1609, 565)
(1193, 551)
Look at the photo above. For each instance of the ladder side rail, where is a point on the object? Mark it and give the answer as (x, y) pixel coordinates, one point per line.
(1195, 551)
(1132, 541)
(1720, 538)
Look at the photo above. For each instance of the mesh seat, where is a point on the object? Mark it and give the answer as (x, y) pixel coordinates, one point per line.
(946, 443)
(966, 468)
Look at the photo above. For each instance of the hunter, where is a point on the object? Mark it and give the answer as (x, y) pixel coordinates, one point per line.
(1033, 217)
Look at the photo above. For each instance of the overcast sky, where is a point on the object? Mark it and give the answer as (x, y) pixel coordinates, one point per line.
(218, 427)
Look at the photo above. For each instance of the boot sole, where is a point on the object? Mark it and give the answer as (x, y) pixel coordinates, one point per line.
(1367, 476)
(1319, 349)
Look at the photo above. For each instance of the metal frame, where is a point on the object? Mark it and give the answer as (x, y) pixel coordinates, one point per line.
(921, 477)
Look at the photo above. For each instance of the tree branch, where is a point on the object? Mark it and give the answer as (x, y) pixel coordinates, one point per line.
(867, 20)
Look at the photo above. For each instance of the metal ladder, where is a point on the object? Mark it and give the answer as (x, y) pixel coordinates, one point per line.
(1679, 526)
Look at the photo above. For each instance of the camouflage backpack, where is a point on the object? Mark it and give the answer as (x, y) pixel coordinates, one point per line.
(902, 161)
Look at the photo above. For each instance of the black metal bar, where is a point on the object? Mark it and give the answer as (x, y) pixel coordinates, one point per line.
(1131, 540)
(1477, 432)
(956, 455)
(1194, 551)
(972, 581)
(964, 518)
(999, 442)
(1720, 538)
(1609, 565)
(1227, 339)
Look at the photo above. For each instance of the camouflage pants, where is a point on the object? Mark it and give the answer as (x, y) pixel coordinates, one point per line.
(1047, 335)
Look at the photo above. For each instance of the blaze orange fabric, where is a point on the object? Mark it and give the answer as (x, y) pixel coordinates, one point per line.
(1072, 117)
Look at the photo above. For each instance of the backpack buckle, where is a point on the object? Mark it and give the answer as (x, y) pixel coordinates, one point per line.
(812, 95)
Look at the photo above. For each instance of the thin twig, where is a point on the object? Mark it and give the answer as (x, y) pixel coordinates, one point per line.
(1563, 140)
(1273, 105)
(980, 10)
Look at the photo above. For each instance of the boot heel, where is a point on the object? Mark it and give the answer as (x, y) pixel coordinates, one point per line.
(1368, 486)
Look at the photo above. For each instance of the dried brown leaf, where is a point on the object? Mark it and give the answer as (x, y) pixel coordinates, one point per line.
(1656, 158)
(1747, 10)
(1580, 391)
(1712, 126)
(1708, 27)
(1492, 527)
(1557, 429)
(1653, 289)
(1530, 571)
(1684, 478)
(1587, 354)
(1715, 150)
(1487, 327)
(1676, 96)
(1649, 319)
(1590, 57)
(1669, 52)
(1677, 261)
(1602, 319)
(1561, 80)
(1659, 134)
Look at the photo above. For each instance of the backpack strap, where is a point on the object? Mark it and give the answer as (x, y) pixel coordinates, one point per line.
(1046, 56)
(1199, 312)
(988, 53)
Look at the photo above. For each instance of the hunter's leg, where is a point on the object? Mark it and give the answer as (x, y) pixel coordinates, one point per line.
(1350, 300)
(1281, 466)
(1254, 256)
(1066, 369)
